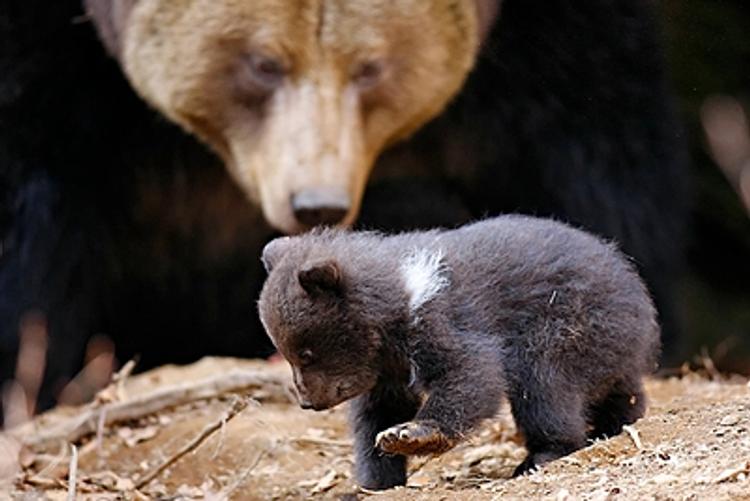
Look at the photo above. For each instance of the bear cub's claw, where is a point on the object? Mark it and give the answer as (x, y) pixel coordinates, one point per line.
(414, 438)
(536, 461)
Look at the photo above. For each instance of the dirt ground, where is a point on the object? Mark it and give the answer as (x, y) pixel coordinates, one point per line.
(212, 442)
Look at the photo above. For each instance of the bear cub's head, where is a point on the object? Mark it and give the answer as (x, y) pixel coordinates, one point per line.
(327, 307)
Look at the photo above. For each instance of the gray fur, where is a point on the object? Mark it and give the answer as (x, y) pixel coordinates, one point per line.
(549, 316)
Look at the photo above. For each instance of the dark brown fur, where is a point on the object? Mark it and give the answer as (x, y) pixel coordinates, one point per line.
(549, 316)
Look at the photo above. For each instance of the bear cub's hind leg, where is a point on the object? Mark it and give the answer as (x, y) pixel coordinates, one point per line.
(551, 421)
(624, 404)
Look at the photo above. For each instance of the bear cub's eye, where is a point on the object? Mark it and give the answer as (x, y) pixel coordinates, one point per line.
(266, 71)
(306, 357)
(368, 74)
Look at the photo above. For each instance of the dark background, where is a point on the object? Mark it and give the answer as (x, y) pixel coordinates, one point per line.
(708, 46)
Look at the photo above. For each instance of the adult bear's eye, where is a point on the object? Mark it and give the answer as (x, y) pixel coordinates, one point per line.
(368, 74)
(265, 71)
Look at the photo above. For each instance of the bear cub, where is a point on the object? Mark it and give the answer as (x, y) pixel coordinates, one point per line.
(428, 331)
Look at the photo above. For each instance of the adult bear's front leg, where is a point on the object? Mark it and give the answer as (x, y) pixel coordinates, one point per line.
(51, 269)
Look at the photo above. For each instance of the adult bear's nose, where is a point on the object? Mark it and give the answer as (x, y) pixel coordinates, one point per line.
(320, 206)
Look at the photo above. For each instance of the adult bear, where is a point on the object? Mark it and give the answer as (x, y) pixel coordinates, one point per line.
(114, 221)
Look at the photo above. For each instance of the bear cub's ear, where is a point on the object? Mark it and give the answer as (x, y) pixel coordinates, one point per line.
(274, 251)
(321, 278)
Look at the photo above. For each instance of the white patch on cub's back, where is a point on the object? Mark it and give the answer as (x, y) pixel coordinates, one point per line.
(424, 273)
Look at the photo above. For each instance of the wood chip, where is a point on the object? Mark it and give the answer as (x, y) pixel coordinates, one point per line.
(326, 483)
(733, 473)
(134, 437)
(634, 435)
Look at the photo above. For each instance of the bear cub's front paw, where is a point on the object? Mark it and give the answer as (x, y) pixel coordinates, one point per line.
(414, 438)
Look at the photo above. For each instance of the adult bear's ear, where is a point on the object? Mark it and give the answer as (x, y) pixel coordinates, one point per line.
(487, 13)
(321, 278)
(274, 251)
(110, 18)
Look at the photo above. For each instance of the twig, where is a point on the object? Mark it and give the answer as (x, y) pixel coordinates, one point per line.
(72, 472)
(237, 406)
(122, 376)
(72, 430)
(43, 482)
(115, 390)
(222, 436)
(322, 441)
(635, 436)
(100, 430)
(227, 492)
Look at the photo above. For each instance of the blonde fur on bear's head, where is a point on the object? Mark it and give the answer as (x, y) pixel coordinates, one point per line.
(298, 94)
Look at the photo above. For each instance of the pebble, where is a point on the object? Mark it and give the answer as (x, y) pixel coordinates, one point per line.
(730, 420)
(564, 495)
(664, 478)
